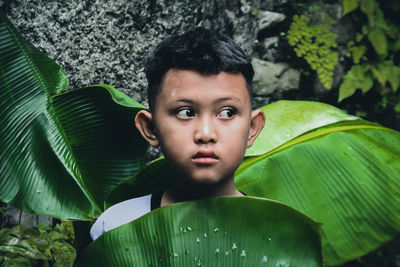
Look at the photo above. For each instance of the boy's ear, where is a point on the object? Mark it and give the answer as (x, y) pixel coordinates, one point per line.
(256, 125)
(145, 124)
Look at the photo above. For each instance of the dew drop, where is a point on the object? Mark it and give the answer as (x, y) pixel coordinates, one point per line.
(38, 192)
(217, 251)
(184, 230)
(186, 252)
(175, 255)
(264, 259)
(189, 228)
(269, 238)
(243, 254)
(205, 235)
(226, 253)
(181, 229)
(234, 246)
(198, 240)
(216, 230)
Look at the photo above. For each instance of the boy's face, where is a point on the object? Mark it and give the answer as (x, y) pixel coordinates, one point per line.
(202, 123)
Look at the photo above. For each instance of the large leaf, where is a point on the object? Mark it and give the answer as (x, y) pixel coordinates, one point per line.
(227, 231)
(340, 170)
(155, 177)
(286, 120)
(61, 152)
(345, 175)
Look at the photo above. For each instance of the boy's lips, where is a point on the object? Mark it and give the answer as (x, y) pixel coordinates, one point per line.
(205, 157)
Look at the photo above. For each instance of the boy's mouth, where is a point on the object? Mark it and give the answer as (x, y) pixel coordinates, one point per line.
(205, 157)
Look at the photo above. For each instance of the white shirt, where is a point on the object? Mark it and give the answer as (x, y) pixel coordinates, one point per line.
(119, 214)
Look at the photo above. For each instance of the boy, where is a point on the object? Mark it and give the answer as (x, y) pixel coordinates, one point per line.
(199, 93)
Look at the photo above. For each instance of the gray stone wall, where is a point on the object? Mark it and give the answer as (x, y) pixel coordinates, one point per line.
(101, 41)
(97, 41)
(107, 41)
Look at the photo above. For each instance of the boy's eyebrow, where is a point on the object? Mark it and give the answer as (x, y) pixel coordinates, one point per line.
(184, 100)
(219, 100)
(223, 99)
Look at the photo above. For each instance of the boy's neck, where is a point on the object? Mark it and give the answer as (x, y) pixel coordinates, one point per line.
(179, 193)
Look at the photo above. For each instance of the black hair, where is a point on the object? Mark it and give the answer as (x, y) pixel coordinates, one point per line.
(200, 50)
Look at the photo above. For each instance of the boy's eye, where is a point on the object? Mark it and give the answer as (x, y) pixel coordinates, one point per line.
(185, 113)
(226, 113)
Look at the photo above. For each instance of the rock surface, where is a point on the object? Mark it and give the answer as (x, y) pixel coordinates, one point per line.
(107, 41)
(274, 78)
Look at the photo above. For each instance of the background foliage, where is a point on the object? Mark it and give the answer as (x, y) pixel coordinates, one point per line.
(371, 57)
(37, 246)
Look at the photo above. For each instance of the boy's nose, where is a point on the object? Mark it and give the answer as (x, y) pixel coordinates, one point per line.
(205, 131)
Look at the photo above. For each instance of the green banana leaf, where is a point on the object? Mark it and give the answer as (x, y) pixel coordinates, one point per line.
(61, 152)
(225, 231)
(291, 119)
(155, 177)
(344, 173)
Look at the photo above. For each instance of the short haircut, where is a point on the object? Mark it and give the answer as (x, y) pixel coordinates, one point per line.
(199, 50)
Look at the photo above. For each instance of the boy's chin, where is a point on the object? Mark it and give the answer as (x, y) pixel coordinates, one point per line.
(204, 181)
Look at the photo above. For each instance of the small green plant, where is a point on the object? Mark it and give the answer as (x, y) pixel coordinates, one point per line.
(37, 246)
(372, 52)
(316, 44)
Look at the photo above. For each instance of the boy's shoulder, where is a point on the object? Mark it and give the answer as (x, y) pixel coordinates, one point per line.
(119, 214)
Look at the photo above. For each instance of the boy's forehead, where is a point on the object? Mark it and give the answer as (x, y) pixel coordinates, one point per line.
(177, 81)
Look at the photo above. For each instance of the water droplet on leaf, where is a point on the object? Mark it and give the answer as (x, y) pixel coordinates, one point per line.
(243, 254)
(234, 246)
